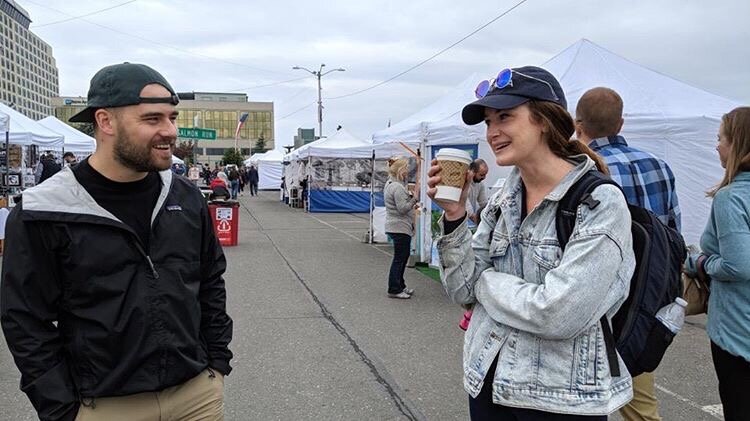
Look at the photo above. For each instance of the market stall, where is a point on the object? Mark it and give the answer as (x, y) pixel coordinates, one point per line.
(24, 140)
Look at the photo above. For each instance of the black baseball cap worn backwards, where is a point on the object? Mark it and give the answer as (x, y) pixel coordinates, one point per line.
(120, 85)
(511, 88)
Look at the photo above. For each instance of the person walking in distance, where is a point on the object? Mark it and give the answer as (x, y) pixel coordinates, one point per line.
(647, 181)
(252, 178)
(112, 298)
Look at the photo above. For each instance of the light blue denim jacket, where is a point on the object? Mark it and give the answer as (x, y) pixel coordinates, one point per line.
(538, 309)
(726, 241)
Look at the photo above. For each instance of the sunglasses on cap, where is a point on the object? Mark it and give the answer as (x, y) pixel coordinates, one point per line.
(505, 79)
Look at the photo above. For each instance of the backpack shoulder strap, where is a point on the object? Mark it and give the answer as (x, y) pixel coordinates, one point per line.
(565, 221)
(579, 193)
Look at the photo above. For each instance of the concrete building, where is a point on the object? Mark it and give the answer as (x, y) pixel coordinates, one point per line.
(304, 136)
(208, 110)
(221, 112)
(29, 72)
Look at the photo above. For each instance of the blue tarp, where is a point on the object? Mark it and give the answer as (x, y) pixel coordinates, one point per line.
(339, 201)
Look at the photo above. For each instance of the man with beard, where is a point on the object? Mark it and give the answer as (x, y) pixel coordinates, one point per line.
(477, 199)
(112, 297)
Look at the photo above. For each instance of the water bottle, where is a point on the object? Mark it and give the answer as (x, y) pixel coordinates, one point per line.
(673, 315)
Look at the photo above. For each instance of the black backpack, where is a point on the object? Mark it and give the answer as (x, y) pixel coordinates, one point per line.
(660, 251)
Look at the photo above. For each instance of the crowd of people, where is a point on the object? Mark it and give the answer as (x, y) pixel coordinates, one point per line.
(228, 181)
(103, 324)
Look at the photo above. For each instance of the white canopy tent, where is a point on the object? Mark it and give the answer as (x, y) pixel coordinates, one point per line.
(329, 196)
(25, 131)
(176, 160)
(75, 140)
(269, 169)
(668, 118)
(3, 122)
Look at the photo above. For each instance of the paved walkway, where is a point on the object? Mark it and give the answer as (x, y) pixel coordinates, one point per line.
(316, 338)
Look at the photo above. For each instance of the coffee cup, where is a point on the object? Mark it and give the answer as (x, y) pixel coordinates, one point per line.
(454, 163)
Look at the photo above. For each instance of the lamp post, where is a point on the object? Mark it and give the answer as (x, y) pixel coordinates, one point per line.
(319, 74)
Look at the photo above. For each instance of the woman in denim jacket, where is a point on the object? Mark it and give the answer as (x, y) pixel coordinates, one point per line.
(534, 349)
(725, 261)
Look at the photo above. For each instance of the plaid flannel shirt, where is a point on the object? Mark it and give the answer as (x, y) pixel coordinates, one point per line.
(647, 181)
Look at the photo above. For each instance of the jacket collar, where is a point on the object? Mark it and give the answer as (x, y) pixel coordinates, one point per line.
(62, 193)
(511, 190)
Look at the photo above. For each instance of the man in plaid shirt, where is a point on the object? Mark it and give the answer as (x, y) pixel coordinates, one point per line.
(647, 181)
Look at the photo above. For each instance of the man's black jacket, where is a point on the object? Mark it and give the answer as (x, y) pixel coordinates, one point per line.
(128, 320)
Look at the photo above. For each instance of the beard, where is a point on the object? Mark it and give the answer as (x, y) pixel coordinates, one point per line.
(136, 157)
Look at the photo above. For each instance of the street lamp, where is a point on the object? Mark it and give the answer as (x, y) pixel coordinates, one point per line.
(319, 74)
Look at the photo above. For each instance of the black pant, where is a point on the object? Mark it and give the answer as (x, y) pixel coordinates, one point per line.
(253, 188)
(482, 408)
(733, 373)
(401, 249)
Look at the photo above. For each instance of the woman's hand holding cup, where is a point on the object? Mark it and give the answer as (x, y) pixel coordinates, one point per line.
(453, 209)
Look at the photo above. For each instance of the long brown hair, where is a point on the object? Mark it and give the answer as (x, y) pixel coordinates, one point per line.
(736, 127)
(560, 127)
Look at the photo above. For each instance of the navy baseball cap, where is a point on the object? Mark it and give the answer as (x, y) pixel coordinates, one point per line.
(120, 85)
(511, 88)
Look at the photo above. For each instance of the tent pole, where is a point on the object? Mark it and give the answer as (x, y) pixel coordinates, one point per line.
(426, 209)
(309, 183)
(7, 164)
(372, 194)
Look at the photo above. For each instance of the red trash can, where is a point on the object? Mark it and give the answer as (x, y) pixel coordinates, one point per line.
(226, 219)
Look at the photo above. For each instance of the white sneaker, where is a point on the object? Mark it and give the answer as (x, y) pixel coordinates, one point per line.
(409, 291)
(402, 295)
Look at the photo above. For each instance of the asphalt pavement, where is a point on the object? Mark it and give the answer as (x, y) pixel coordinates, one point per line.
(316, 337)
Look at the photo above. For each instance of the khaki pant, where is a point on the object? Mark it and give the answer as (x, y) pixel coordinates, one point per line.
(644, 406)
(200, 398)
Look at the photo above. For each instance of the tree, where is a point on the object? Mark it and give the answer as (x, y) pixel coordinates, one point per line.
(231, 156)
(87, 128)
(184, 150)
(260, 144)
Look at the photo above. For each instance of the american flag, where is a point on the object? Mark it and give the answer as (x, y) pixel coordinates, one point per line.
(240, 122)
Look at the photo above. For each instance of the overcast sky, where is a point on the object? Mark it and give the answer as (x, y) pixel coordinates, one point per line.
(238, 45)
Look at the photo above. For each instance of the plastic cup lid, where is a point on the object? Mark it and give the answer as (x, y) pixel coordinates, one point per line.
(680, 301)
(457, 154)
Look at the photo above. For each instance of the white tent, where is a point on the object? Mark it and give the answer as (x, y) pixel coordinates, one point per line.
(668, 118)
(269, 169)
(25, 131)
(75, 140)
(176, 160)
(341, 144)
(3, 122)
(351, 195)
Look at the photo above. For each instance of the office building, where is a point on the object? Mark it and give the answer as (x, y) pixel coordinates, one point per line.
(29, 72)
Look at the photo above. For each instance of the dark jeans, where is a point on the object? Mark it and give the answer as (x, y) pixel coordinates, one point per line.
(733, 373)
(401, 249)
(253, 188)
(482, 408)
(235, 185)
